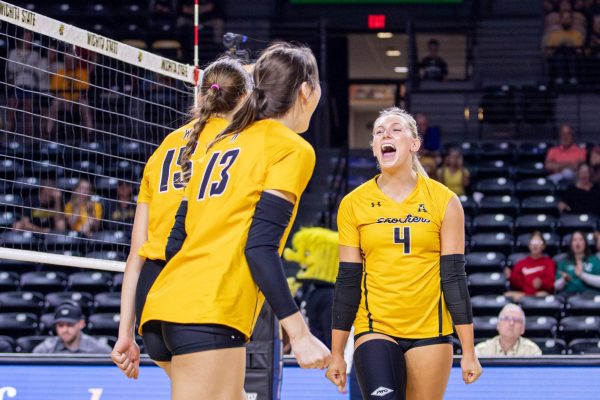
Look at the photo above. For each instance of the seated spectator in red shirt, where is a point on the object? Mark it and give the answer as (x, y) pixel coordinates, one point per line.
(533, 275)
(584, 196)
(562, 160)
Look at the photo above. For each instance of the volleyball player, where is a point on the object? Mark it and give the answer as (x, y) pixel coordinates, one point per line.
(229, 234)
(402, 280)
(224, 84)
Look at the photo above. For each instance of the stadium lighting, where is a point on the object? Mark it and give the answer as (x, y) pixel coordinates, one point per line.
(401, 70)
(393, 53)
(384, 35)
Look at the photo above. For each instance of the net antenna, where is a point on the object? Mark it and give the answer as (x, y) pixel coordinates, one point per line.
(83, 114)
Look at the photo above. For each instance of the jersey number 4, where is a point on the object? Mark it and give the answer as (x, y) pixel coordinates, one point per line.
(402, 236)
(217, 187)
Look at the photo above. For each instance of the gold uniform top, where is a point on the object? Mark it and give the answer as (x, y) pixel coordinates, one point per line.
(160, 188)
(209, 281)
(401, 293)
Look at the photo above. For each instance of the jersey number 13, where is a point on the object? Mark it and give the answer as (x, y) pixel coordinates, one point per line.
(217, 187)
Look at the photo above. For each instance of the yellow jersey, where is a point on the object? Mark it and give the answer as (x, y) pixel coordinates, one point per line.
(401, 293)
(454, 180)
(160, 188)
(208, 281)
(83, 213)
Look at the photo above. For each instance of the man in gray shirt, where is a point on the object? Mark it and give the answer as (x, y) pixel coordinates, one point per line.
(68, 322)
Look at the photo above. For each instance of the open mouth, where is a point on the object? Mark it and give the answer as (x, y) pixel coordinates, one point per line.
(388, 150)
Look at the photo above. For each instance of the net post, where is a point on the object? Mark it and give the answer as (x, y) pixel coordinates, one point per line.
(196, 55)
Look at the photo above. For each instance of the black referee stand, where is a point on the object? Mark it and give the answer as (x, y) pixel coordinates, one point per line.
(264, 361)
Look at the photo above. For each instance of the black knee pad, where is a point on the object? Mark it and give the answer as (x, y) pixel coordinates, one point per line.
(380, 370)
(154, 341)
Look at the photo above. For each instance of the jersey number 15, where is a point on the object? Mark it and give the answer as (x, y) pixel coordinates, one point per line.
(166, 169)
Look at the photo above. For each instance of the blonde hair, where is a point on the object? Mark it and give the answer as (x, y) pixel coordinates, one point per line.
(411, 124)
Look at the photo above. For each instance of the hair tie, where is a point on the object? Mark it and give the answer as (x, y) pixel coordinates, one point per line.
(215, 86)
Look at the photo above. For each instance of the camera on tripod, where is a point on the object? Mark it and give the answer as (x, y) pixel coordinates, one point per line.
(236, 46)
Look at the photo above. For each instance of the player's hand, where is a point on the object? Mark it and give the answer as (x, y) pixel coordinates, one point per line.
(336, 373)
(471, 369)
(310, 352)
(126, 355)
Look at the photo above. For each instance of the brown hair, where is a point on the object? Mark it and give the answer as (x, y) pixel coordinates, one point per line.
(539, 235)
(278, 75)
(224, 82)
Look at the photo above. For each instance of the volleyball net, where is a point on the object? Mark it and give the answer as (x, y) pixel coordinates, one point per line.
(80, 115)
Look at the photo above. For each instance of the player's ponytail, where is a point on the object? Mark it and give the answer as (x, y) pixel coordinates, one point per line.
(224, 83)
(278, 76)
(411, 124)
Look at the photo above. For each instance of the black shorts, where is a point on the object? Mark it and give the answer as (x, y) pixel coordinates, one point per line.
(163, 340)
(407, 344)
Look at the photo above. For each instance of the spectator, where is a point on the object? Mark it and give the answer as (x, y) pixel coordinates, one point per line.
(595, 35)
(578, 272)
(533, 275)
(53, 66)
(83, 212)
(510, 341)
(583, 196)
(593, 64)
(562, 49)
(553, 23)
(68, 322)
(44, 212)
(453, 174)
(25, 68)
(430, 144)
(433, 66)
(124, 211)
(562, 160)
(595, 164)
(70, 85)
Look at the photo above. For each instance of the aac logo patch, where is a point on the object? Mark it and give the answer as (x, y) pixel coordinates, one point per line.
(381, 391)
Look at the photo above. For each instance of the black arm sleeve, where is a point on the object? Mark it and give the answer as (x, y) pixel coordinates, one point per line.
(454, 286)
(346, 297)
(271, 218)
(177, 235)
